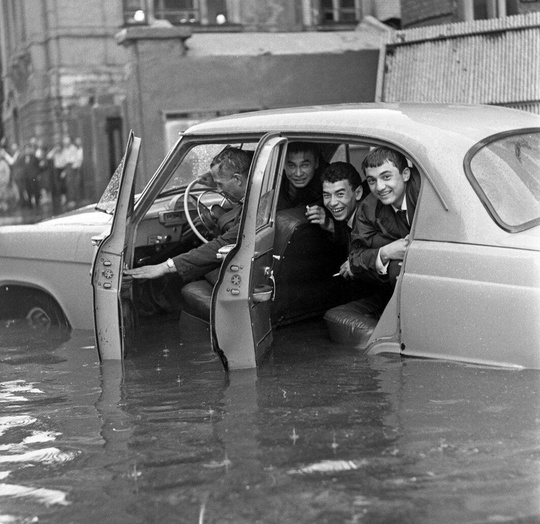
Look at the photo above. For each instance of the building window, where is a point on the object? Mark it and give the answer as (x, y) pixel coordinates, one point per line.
(135, 12)
(485, 9)
(341, 11)
(115, 143)
(177, 12)
(180, 12)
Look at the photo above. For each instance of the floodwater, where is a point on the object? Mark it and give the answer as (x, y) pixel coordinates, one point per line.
(319, 434)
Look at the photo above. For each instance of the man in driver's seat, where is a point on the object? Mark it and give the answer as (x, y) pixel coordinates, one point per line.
(229, 174)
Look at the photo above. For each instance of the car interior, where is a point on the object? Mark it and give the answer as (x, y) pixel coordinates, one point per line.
(305, 258)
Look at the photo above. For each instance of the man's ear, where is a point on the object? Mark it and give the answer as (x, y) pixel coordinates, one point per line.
(406, 174)
(358, 192)
(239, 179)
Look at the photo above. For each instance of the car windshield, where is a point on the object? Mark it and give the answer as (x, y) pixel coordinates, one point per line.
(196, 163)
(505, 171)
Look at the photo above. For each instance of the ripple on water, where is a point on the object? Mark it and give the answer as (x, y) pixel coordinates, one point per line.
(44, 456)
(14, 421)
(42, 495)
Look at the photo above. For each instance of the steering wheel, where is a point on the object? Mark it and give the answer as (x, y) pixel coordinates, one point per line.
(207, 216)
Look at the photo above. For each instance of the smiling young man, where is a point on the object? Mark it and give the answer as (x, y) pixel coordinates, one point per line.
(301, 184)
(341, 192)
(381, 231)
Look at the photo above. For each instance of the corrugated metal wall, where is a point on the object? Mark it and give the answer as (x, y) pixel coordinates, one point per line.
(494, 61)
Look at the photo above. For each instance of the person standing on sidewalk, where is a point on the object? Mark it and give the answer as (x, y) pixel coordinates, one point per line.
(5, 178)
(62, 158)
(78, 178)
(69, 175)
(28, 170)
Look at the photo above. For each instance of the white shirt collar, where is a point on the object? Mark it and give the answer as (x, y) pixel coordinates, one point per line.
(403, 205)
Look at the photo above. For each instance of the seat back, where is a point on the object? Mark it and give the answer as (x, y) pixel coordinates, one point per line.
(305, 259)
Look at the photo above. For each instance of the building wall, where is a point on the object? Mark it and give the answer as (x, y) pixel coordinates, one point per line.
(229, 83)
(60, 59)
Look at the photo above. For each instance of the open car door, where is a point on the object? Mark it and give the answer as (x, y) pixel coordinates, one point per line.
(240, 314)
(109, 258)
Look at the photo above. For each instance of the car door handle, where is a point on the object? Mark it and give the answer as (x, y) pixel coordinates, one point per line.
(223, 251)
(97, 239)
(263, 293)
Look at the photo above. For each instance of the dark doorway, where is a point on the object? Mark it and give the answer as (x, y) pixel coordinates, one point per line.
(113, 128)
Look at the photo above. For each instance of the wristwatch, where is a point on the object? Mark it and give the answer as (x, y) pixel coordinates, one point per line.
(171, 266)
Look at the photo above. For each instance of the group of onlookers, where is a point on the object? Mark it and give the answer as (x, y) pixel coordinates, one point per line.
(32, 176)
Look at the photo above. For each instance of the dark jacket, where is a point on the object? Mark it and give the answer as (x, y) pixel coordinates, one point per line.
(376, 225)
(201, 260)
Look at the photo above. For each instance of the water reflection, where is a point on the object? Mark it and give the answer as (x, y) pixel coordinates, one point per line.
(116, 425)
(318, 434)
(465, 436)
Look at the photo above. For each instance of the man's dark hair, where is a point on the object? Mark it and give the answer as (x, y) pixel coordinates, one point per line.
(233, 160)
(338, 171)
(378, 156)
(302, 147)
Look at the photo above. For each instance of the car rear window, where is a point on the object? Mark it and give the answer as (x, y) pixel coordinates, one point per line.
(505, 173)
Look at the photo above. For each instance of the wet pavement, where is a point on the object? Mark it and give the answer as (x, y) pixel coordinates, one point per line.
(319, 434)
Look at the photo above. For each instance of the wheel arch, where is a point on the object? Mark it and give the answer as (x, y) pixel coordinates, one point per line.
(16, 297)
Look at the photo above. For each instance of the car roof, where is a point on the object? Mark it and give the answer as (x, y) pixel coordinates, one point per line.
(436, 137)
(396, 122)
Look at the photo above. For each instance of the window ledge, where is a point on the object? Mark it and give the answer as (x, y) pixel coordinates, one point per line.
(129, 34)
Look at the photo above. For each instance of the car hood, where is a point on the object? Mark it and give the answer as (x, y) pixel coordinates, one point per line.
(64, 238)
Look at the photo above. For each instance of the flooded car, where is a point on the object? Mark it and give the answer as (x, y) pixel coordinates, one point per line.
(469, 286)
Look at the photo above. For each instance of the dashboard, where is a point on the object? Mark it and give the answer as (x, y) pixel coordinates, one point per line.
(165, 230)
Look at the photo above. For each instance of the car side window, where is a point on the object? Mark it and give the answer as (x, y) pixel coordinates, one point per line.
(107, 202)
(266, 202)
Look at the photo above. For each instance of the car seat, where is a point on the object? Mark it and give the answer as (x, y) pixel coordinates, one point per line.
(305, 258)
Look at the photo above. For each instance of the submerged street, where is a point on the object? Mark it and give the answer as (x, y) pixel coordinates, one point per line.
(307, 177)
(319, 434)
